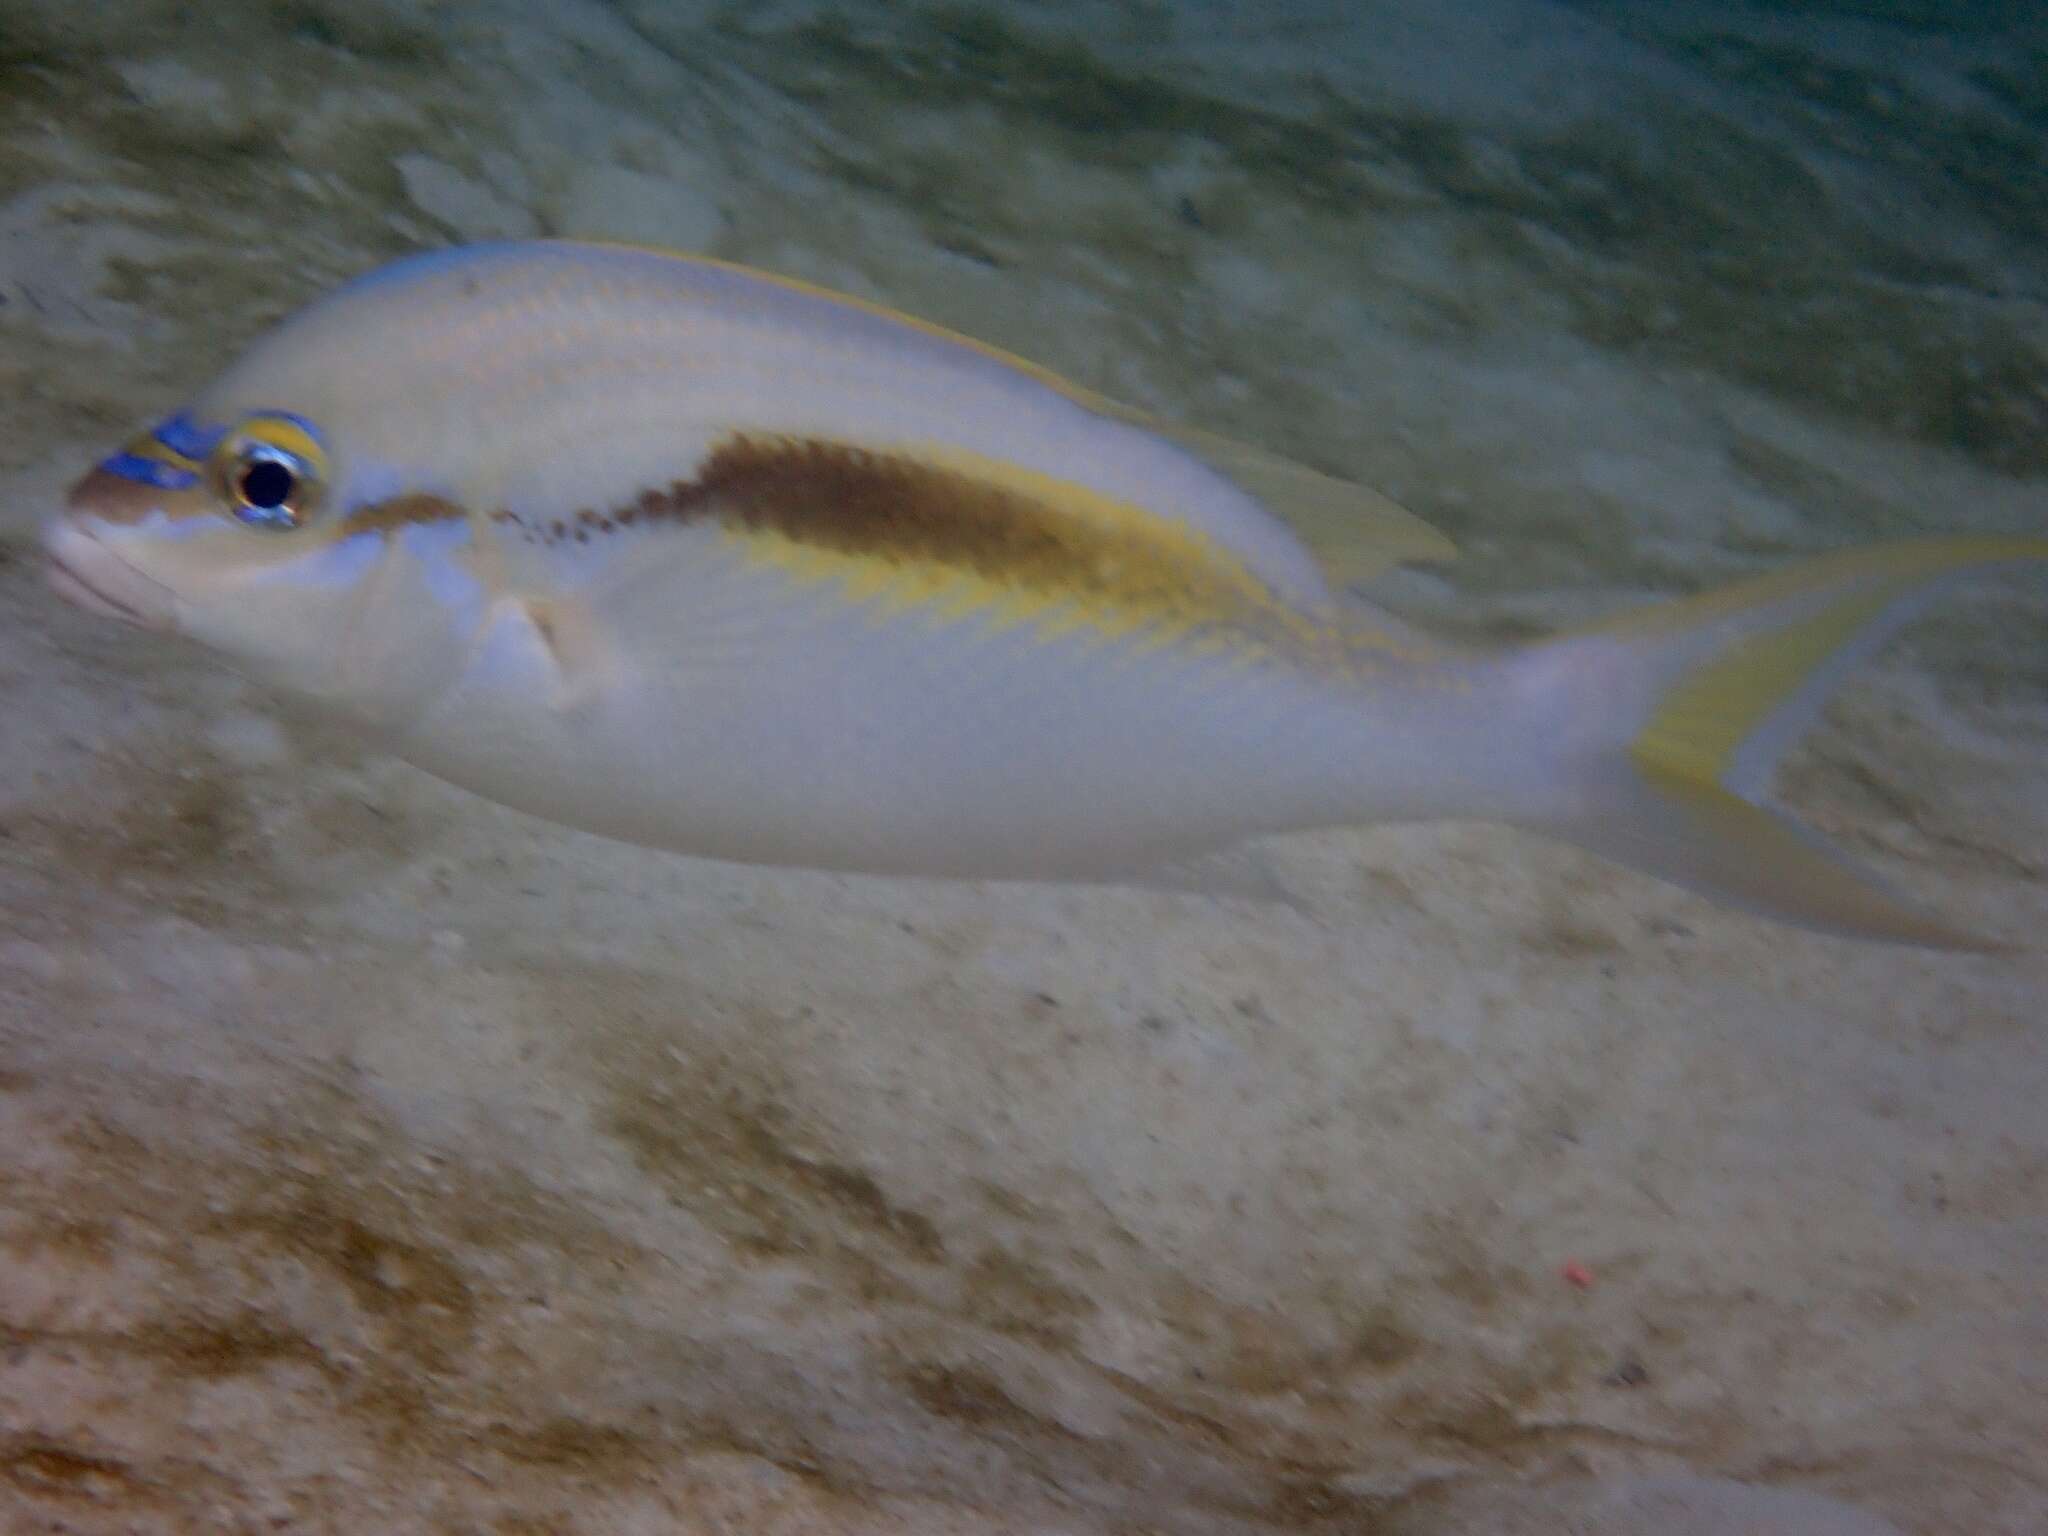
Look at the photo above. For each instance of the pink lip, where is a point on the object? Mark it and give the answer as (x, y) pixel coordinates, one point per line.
(84, 572)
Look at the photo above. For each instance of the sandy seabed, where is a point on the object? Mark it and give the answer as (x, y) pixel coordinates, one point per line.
(376, 1159)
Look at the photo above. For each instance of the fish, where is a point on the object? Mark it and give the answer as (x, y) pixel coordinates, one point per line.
(712, 560)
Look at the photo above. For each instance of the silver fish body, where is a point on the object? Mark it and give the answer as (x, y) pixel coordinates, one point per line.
(708, 560)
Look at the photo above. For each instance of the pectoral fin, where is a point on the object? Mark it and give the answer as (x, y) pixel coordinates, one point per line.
(552, 645)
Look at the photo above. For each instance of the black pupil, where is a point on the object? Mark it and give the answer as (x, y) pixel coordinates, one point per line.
(266, 484)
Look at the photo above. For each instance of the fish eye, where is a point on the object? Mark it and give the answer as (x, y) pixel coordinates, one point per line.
(270, 472)
(267, 484)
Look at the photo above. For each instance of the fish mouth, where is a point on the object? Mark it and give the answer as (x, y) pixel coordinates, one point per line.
(87, 574)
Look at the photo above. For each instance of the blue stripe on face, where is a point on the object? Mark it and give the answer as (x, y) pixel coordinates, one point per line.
(186, 438)
(165, 477)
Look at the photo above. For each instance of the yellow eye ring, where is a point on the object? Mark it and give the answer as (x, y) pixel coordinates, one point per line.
(271, 471)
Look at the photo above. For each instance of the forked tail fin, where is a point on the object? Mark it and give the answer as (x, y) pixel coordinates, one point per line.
(1670, 720)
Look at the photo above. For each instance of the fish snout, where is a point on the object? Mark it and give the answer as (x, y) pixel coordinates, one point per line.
(127, 488)
(84, 571)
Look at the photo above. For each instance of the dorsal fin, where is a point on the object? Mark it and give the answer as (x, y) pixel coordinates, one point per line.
(1354, 533)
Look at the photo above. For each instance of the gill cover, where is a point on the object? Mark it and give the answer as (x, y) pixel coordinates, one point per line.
(236, 518)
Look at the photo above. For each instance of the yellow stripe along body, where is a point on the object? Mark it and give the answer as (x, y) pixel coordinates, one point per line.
(925, 528)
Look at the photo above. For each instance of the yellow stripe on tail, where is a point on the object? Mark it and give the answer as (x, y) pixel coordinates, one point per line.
(1712, 689)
